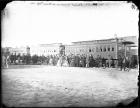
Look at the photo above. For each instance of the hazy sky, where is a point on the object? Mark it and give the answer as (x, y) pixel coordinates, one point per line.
(26, 23)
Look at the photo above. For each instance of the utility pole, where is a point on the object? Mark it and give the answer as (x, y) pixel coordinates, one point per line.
(116, 38)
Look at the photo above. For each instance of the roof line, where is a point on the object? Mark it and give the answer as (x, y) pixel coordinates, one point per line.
(102, 39)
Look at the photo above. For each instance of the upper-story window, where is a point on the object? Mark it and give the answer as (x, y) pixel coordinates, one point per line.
(112, 48)
(104, 49)
(108, 49)
(89, 50)
(101, 49)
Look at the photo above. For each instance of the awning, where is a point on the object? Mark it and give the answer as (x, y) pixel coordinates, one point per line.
(127, 42)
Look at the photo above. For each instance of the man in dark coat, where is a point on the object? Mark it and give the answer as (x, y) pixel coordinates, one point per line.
(72, 61)
(68, 58)
(124, 63)
(91, 61)
(77, 60)
(120, 64)
(104, 62)
(12, 58)
(81, 63)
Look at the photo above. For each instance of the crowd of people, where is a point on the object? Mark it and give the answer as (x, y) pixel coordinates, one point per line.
(72, 60)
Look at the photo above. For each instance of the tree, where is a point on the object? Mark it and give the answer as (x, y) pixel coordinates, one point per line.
(34, 59)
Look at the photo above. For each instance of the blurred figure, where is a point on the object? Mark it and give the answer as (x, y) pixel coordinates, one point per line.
(60, 61)
(103, 62)
(124, 63)
(116, 63)
(65, 62)
(120, 64)
(81, 62)
(91, 61)
(128, 63)
(134, 61)
(87, 61)
(5, 61)
(68, 59)
(12, 58)
(51, 61)
(72, 61)
(98, 61)
(109, 61)
(76, 60)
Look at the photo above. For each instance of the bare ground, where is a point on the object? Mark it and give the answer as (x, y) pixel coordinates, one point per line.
(67, 86)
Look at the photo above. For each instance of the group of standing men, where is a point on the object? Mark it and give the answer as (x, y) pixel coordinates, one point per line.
(74, 61)
(89, 61)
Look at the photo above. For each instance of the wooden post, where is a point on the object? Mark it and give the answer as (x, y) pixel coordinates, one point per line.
(125, 50)
(116, 63)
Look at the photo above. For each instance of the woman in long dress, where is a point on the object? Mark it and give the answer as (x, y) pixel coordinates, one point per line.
(59, 63)
(65, 62)
(51, 61)
(87, 61)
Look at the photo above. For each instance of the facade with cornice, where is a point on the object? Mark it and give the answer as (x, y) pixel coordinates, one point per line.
(105, 48)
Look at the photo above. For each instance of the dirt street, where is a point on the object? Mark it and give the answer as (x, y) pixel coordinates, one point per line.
(67, 86)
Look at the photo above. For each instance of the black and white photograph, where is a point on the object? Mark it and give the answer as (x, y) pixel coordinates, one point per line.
(69, 54)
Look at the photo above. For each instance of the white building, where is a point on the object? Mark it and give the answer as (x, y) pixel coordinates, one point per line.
(45, 49)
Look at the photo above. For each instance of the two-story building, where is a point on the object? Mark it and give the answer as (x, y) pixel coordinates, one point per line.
(104, 48)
